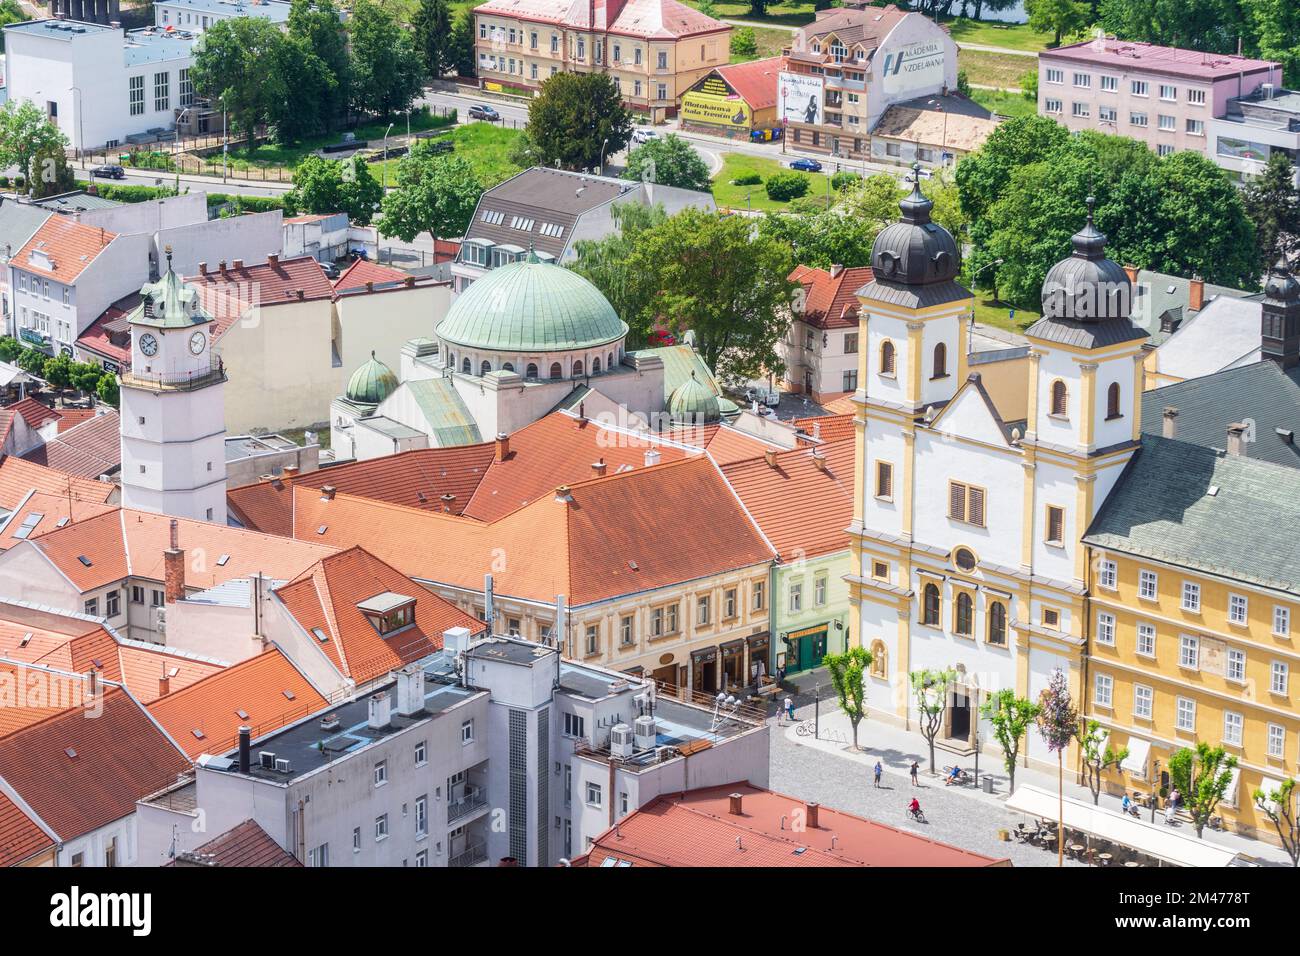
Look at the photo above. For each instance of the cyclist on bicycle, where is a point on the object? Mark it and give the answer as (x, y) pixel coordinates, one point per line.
(914, 808)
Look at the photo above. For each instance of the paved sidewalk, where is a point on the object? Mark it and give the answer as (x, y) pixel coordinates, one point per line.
(897, 748)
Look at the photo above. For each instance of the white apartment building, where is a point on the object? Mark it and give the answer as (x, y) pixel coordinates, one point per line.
(195, 16)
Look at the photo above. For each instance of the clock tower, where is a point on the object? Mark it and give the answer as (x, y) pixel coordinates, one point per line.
(172, 406)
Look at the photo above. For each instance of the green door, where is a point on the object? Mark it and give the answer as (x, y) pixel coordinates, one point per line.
(808, 651)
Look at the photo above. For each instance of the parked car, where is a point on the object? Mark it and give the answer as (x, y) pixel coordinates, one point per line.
(482, 112)
(763, 395)
(644, 135)
(911, 177)
(108, 172)
(330, 269)
(807, 165)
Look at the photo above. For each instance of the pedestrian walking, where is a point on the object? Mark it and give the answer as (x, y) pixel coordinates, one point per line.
(915, 767)
(878, 771)
(789, 708)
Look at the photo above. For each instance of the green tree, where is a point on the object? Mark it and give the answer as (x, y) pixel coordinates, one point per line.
(10, 12)
(825, 238)
(1096, 758)
(1211, 25)
(51, 173)
(108, 389)
(232, 61)
(1274, 26)
(725, 280)
(1029, 85)
(432, 27)
(576, 119)
(316, 23)
(386, 69)
(1055, 16)
(25, 134)
(743, 43)
(1011, 717)
(982, 177)
(10, 349)
(671, 161)
(1279, 806)
(460, 48)
(1058, 722)
(848, 673)
(329, 186)
(1273, 205)
(33, 361)
(86, 376)
(436, 194)
(930, 689)
(605, 263)
(786, 185)
(963, 83)
(58, 371)
(1202, 777)
(301, 91)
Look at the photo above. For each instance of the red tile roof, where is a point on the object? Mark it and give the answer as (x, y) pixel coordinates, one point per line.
(72, 417)
(265, 506)
(696, 828)
(90, 449)
(36, 693)
(99, 337)
(70, 246)
(830, 302)
(78, 775)
(326, 597)
(827, 428)
(21, 837)
(35, 413)
(212, 706)
(18, 477)
(245, 845)
(362, 271)
(755, 81)
(651, 19)
(271, 283)
(803, 509)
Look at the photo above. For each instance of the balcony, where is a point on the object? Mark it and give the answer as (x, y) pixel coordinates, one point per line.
(472, 798)
(472, 855)
(176, 382)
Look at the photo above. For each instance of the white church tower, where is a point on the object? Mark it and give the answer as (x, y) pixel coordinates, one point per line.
(173, 407)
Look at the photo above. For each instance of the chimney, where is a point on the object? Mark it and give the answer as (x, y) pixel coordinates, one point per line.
(174, 569)
(599, 468)
(327, 492)
(447, 501)
(503, 446)
(819, 460)
(736, 802)
(245, 749)
(1170, 426)
(1196, 294)
(409, 282)
(298, 293)
(381, 711)
(203, 268)
(222, 266)
(812, 806)
(769, 456)
(92, 684)
(370, 286)
(836, 270)
(164, 685)
(562, 494)
(410, 690)
(272, 260)
(237, 264)
(1132, 273)
(651, 457)
(290, 472)
(1236, 439)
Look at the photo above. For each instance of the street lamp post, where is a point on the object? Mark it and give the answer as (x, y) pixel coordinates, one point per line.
(385, 183)
(1155, 782)
(604, 143)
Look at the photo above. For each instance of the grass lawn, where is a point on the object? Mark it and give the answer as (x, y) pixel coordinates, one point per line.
(997, 314)
(1002, 70)
(770, 43)
(486, 146)
(787, 13)
(735, 165)
(1013, 36)
(275, 154)
(1007, 104)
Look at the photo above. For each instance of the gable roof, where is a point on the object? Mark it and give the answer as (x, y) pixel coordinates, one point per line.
(251, 693)
(362, 271)
(650, 19)
(1226, 332)
(831, 301)
(325, 598)
(18, 222)
(19, 477)
(34, 413)
(827, 428)
(855, 25)
(90, 449)
(63, 247)
(78, 775)
(755, 81)
(1162, 508)
(21, 837)
(277, 282)
(244, 845)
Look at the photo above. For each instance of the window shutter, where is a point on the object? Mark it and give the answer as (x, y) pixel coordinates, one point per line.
(956, 501)
(884, 480)
(975, 506)
(1055, 524)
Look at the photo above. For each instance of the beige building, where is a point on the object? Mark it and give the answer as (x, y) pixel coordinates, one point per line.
(655, 49)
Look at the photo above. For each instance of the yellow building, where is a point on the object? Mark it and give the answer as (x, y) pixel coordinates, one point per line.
(655, 49)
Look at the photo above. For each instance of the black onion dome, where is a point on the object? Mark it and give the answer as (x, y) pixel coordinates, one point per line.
(1087, 287)
(1281, 285)
(914, 251)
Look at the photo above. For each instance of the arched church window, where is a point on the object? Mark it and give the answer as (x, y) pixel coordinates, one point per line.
(485, 368)
(930, 609)
(508, 367)
(941, 361)
(1112, 401)
(886, 357)
(965, 622)
(577, 369)
(997, 623)
(531, 371)
(1059, 396)
(466, 367)
(595, 366)
(556, 370)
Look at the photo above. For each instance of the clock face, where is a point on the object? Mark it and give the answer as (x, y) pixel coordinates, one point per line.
(197, 341)
(148, 344)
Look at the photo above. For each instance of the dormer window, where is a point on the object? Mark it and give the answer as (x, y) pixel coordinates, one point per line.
(389, 612)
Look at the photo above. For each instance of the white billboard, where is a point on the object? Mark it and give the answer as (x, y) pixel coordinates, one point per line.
(913, 67)
(800, 99)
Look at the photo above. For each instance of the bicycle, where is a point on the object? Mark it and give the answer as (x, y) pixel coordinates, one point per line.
(917, 815)
(807, 728)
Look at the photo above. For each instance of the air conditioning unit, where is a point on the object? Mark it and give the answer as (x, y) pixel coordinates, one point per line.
(266, 759)
(281, 765)
(621, 741)
(647, 733)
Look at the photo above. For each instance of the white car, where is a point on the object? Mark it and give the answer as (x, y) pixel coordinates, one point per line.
(644, 136)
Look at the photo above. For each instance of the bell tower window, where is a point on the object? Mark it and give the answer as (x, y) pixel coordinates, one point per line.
(1112, 402)
(1059, 398)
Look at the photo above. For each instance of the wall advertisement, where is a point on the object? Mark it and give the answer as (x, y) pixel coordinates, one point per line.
(800, 98)
(912, 68)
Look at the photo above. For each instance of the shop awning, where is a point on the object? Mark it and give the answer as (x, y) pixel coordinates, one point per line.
(1152, 839)
(1136, 761)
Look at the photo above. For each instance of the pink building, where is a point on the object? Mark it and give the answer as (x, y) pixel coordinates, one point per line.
(1163, 96)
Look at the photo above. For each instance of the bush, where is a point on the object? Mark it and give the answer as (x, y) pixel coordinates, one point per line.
(786, 186)
(743, 42)
(244, 204)
(748, 179)
(844, 179)
(963, 84)
(1029, 85)
(129, 194)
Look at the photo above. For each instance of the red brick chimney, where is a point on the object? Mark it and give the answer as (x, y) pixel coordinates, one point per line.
(1132, 272)
(237, 264)
(174, 569)
(1196, 294)
(1236, 439)
(812, 814)
(203, 268)
(598, 468)
(272, 260)
(736, 803)
(164, 685)
(503, 446)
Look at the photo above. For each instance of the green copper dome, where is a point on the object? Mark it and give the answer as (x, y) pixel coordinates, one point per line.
(694, 403)
(371, 383)
(169, 303)
(531, 306)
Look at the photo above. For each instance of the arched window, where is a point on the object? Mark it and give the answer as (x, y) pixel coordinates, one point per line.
(941, 361)
(485, 368)
(997, 623)
(531, 371)
(930, 611)
(879, 659)
(965, 622)
(451, 360)
(1059, 396)
(1112, 401)
(556, 371)
(609, 360)
(508, 367)
(595, 366)
(465, 366)
(577, 369)
(886, 357)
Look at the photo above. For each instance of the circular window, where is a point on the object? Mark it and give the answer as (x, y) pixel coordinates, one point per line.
(964, 559)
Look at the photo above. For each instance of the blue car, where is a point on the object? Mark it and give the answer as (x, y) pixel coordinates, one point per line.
(807, 165)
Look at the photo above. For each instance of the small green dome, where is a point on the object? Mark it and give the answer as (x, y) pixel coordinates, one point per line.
(694, 403)
(371, 383)
(531, 306)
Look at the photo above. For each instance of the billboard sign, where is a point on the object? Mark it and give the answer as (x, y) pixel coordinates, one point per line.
(913, 67)
(800, 99)
(713, 102)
